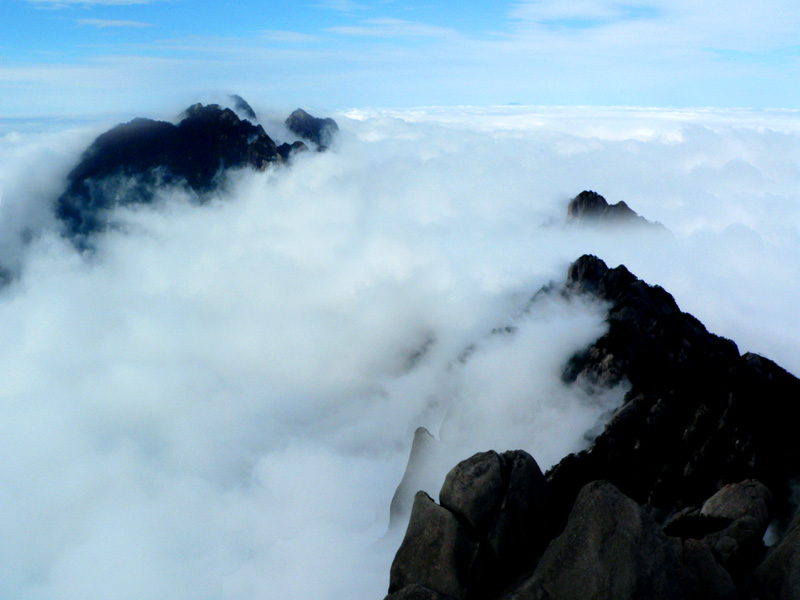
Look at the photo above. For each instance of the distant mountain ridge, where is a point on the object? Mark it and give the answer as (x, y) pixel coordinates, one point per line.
(126, 164)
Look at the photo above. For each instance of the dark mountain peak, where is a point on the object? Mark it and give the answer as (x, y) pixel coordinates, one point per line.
(586, 273)
(208, 111)
(587, 203)
(241, 106)
(319, 131)
(125, 164)
(212, 121)
(591, 207)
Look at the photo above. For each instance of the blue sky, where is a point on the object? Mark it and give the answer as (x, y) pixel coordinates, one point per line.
(84, 57)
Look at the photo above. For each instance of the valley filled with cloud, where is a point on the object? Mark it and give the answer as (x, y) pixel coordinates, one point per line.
(219, 400)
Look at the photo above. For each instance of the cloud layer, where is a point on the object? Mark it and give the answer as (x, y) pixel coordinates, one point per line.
(220, 401)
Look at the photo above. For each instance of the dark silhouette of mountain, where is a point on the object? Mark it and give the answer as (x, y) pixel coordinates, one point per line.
(589, 207)
(128, 163)
(319, 131)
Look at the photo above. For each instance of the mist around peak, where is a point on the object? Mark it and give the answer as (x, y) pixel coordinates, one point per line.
(220, 399)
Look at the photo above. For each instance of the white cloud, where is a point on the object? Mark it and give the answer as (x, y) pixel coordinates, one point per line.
(582, 12)
(345, 6)
(66, 3)
(665, 24)
(218, 402)
(290, 37)
(391, 28)
(103, 23)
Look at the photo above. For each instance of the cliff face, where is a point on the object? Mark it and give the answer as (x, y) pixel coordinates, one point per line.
(671, 501)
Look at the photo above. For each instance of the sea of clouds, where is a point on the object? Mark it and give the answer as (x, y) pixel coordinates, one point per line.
(219, 401)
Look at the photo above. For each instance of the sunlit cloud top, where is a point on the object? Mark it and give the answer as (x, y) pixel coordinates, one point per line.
(335, 54)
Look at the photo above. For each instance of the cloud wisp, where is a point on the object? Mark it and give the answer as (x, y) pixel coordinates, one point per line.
(392, 28)
(343, 6)
(103, 23)
(68, 3)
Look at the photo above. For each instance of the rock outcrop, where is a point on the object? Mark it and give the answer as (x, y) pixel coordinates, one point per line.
(127, 164)
(492, 523)
(316, 130)
(424, 454)
(436, 553)
(673, 498)
(610, 549)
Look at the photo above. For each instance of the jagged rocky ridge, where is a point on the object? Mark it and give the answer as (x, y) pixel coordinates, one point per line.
(673, 498)
(126, 164)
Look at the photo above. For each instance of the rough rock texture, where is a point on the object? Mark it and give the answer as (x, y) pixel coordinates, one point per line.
(319, 131)
(778, 576)
(501, 503)
(738, 547)
(698, 415)
(436, 552)
(704, 439)
(591, 207)
(611, 549)
(125, 164)
(473, 490)
(736, 500)
(699, 575)
(521, 528)
(416, 592)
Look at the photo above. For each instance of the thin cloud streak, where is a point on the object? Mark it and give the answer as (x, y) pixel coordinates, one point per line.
(344, 6)
(68, 3)
(393, 28)
(103, 23)
(696, 24)
(291, 37)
